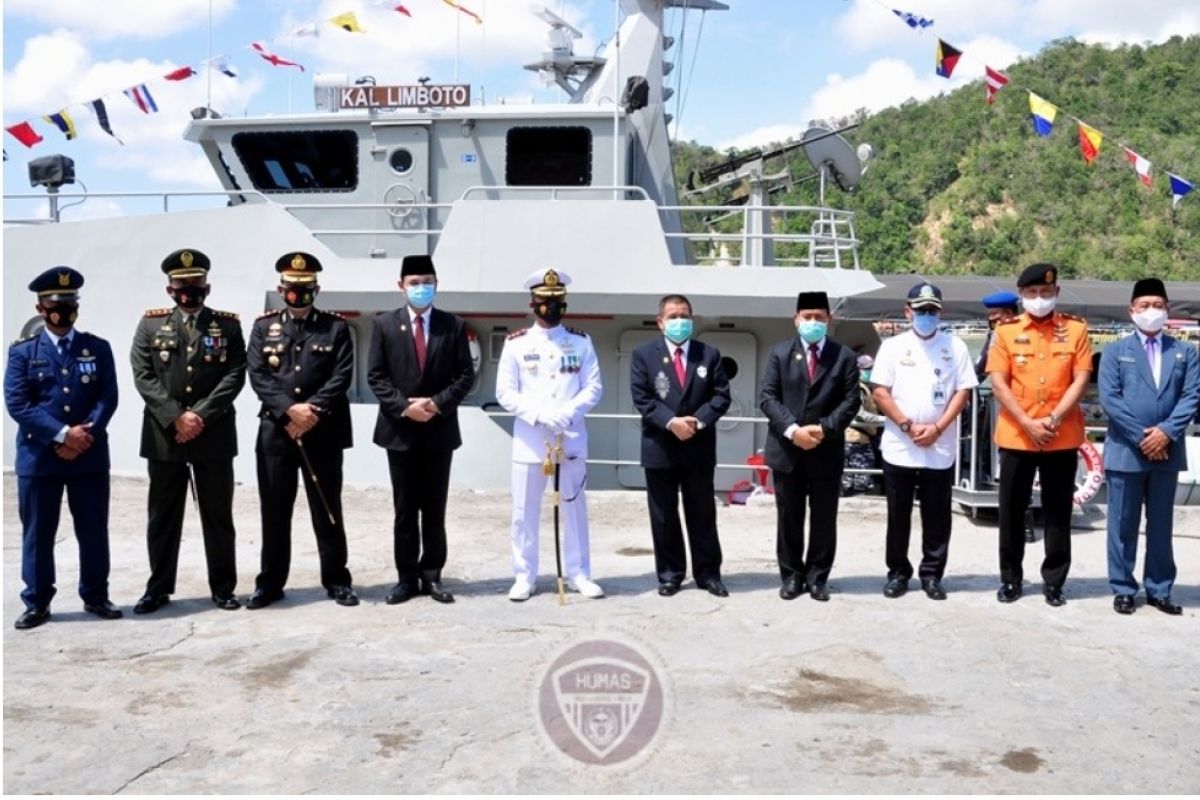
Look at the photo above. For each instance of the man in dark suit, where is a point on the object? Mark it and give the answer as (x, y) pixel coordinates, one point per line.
(420, 370)
(681, 390)
(809, 392)
(60, 385)
(189, 363)
(301, 361)
(1150, 390)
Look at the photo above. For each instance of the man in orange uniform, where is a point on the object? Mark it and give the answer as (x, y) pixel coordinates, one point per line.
(1039, 364)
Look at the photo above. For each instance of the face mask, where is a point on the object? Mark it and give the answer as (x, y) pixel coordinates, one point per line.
(1152, 319)
(189, 297)
(678, 330)
(866, 375)
(811, 331)
(299, 296)
(420, 295)
(1039, 306)
(549, 311)
(925, 325)
(62, 315)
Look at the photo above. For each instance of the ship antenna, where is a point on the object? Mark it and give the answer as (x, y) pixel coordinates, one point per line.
(208, 95)
(616, 95)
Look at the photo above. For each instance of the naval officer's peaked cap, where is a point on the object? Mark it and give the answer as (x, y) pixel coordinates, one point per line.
(548, 282)
(57, 283)
(297, 267)
(186, 263)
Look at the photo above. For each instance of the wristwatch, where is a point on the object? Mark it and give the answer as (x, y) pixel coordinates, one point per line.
(1055, 419)
(906, 426)
(699, 424)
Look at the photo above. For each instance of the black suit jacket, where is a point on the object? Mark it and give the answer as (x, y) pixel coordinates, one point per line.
(658, 397)
(394, 376)
(832, 399)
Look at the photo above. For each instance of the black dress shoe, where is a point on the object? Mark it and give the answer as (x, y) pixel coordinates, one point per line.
(1009, 592)
(227, 601)
(1054, 596)
(263, 598)
(933, 589)
(714, 587)
(32, 618)
(400, 593)
(792, 588)
(668, 588)
(105, 610)
(896, 587)
(438, 592)
(342, 595)
(1030, 537)
(819, 591)
(149, 603)
(1124, 604)
(1164, 605)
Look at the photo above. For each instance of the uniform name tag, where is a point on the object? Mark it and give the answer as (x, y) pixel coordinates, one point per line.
(939, 396)
(38, 362)
(532, 357)
(1126, 359)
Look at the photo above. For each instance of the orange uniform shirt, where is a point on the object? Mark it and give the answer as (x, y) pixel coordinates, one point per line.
(1040, 359)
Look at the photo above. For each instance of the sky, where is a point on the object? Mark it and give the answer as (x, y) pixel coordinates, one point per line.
(756, 73)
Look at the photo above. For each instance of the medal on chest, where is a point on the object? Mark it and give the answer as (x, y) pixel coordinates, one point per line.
(662, 386)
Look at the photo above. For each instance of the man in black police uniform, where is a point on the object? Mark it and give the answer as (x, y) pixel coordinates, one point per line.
(300, 362)
(60, 385)
(189, 363)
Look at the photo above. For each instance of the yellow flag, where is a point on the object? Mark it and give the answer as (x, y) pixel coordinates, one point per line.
(1089, 142)
(348, 22)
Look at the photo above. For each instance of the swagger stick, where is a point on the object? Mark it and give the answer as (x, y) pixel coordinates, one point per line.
(312, 474)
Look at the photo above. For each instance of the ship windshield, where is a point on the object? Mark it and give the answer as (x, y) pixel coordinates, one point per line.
(552, 156)
(299, 161)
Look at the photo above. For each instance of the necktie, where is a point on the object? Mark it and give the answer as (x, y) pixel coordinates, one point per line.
(812, 361)
(64, 346)
(1151, 342)
(419, 340)
(189, 322)
(680, 368)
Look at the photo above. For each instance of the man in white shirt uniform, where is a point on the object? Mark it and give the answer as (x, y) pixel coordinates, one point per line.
(549, 378)
(921, 382)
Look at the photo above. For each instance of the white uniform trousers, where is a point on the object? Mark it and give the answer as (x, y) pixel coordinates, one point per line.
(528, 487)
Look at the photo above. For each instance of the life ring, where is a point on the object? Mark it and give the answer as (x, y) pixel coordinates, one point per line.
(1093, 475)
(476, 359)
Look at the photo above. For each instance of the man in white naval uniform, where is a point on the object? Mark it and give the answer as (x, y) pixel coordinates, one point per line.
(548, 379)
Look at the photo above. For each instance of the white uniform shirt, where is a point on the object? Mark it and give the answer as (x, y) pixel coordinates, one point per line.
(548, 378)
(923, 375)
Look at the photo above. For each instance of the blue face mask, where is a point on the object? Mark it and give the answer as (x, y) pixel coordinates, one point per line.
(677, 330)
(420, 295)
(925, 324)
(811, 330)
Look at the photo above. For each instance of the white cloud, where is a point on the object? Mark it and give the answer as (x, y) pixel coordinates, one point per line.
(1183, 24)
(114, 19)
(760, 137)
(867, 24)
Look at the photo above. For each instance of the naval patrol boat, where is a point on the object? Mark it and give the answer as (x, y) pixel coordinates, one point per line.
(492, 192)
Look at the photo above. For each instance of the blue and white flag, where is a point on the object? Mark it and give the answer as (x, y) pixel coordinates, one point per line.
(913, 21)
(221, 64)
(1179, 188)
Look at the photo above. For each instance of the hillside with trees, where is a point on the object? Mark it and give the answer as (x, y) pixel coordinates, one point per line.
(958, 186)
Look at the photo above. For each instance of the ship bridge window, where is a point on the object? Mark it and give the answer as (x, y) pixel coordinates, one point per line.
(557, 156)
(299, 161)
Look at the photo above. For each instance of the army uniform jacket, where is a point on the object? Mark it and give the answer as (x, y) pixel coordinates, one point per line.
(44, 392)
(548, 378)
(201, 372)
(1040, 358)
(301, 361)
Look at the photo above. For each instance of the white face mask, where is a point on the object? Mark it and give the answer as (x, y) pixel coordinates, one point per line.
(1152, 319)
(1039, 306)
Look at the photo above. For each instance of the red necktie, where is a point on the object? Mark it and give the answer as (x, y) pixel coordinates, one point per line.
(812, 361)
(419, 340)
(680, 369)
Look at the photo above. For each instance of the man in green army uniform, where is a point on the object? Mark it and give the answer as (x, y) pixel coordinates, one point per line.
(189, 363)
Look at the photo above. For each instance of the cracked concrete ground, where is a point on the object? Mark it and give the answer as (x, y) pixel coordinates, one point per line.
(861, 694)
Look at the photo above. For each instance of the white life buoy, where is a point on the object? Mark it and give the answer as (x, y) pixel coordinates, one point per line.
(476, 359)
(1093, 475)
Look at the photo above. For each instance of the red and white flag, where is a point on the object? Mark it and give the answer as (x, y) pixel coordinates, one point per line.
(1140, 165)
(995, 82)
(274, 60)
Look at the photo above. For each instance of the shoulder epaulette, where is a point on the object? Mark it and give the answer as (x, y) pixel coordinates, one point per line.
(158, 312)
(266, 314)
(28, 338)
(576, 331)
(334, 314)
(1009, 321)
(1065, 315)
(225, 315)
(518, 332)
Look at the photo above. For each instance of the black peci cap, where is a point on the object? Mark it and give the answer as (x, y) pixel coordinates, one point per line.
(809, 301)
(1149, 287)
(416, 265)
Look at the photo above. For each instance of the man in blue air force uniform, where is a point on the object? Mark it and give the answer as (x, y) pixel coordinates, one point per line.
(61, 388)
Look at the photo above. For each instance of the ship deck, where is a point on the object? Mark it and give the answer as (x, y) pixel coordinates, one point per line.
(861, 694)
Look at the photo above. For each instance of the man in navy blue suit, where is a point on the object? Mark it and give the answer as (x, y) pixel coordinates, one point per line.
(681, 390)
(1150, 388)
(61, 388)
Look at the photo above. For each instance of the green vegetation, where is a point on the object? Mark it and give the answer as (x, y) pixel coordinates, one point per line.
(958, 186)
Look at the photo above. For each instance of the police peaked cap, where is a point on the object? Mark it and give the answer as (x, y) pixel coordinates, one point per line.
(186, 263)
(297, 267)
(57, 283)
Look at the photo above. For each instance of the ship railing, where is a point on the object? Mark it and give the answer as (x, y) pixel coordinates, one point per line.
(64, 201)
(556, 192)
(830, 240)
